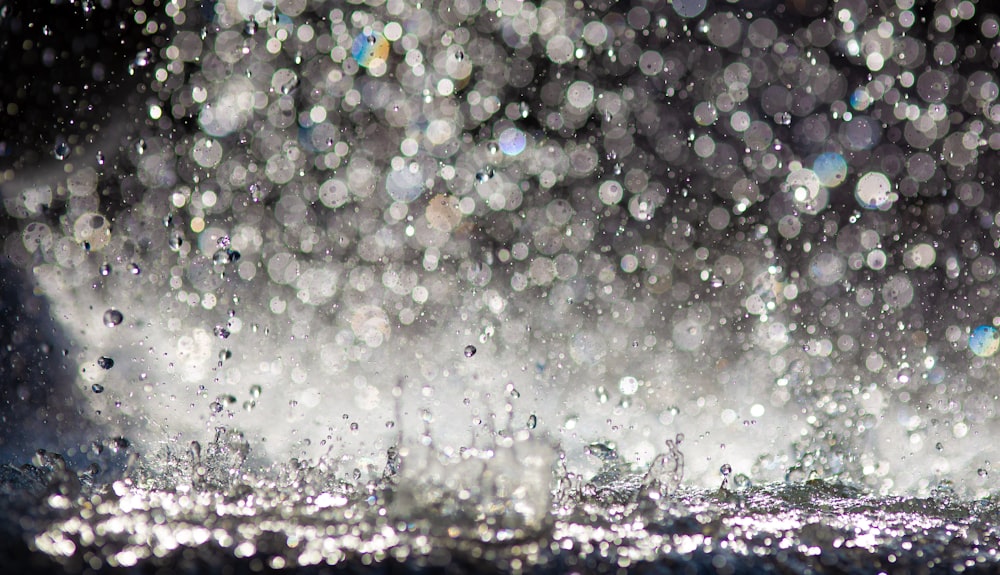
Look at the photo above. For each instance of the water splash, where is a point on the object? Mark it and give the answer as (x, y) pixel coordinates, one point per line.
(636, 214)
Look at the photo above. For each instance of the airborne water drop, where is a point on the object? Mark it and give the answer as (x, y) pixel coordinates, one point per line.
(113, 317)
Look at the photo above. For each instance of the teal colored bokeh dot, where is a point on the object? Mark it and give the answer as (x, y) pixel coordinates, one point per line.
(831, 169)
(369, 47)
(984, 341)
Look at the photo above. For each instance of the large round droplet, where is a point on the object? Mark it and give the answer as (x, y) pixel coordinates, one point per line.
(113, 317)
(61, 151)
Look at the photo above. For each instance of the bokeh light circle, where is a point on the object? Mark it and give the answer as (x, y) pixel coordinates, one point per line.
(874, 191)
(512, 141)
(370, 47)
(831, 168)
(984, 341)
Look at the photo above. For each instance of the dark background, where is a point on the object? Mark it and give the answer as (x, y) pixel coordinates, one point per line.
(65, 79)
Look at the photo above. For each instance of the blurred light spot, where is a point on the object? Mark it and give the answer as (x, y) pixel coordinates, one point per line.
(831, 169)
(984, 341)
(369, 47)
(512, 141)
(405, 184)
(874, 191)
(689, 8)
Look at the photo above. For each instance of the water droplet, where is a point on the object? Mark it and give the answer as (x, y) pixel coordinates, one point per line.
(904, 375)
(100, 158)
(221, 332)
(175, 243)
(105, 362)
(143, 58)
(939, 446)
(726, 469)
(250, 28)
(215, 406)
(113, 317)
(470, 350)
(716, 282)
(61, 151)
(97, 388)
(135, 269)
(354, 426)
(783, 118)
(105, 269)
(602, 394)
(532, 421)
(255, 391)
(140, 146)
(741, 482)
(226, 256)
(602, 451)
(628, 385)
(795, 474)
(255, 191)
(90, 471)
(289, 86)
